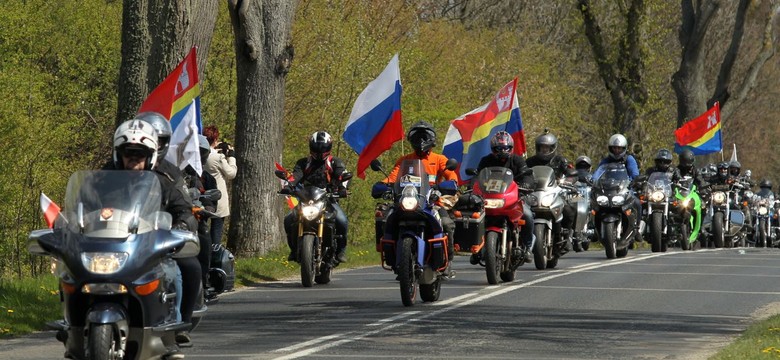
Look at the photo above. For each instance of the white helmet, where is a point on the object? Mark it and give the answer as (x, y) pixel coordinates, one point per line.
(135, 135)
(617, 140)
(163, 127)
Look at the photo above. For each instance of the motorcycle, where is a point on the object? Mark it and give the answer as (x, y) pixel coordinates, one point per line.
(113, 252)
(689, 206)
(612, 201)
(317, 235)
(724, 219)
(501, 252)
(579, 199)
(547, 201)
(414, 244)
(658, 192)
(765, 234)
(221, 273)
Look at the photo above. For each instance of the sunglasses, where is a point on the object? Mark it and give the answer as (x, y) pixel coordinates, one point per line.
(135, 153)
(503, 148)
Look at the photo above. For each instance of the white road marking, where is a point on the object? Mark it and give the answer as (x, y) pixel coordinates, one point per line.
(659, 290)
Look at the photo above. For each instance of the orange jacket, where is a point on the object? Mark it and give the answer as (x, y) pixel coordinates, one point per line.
(434, 165)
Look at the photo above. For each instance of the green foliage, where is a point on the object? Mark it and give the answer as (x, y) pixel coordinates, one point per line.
(760, 341)
(27, 304)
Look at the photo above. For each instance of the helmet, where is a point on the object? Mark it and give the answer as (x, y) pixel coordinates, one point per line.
(205, 148)
(502, 144)
(686, 159)
(550, 143)
(734, 168)
(723, 168)
(134, 136)
(163, 127)
(663, 159)
(422, 137)
(766, 183)
(619, 142)
(320, 144)
(583, 162)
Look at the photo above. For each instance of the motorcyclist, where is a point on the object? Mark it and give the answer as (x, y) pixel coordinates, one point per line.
(618, 153)
(686, 161)
(663, 163)
(422, 137)
(722, 174)
(323, 170)
(135, 148)
(501, 146)
(583, 166)
(546, 155)
(765, 189)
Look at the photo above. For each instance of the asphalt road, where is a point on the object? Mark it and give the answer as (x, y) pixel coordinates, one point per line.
(675, 305)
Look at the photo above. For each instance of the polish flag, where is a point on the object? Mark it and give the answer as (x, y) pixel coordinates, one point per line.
(50, 210)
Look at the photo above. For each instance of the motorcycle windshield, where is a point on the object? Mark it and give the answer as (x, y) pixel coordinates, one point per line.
(659, 181)
(412, 173)
(544, 177)
(614, 177)
(310, 193)
(112, 203)
(494, 180)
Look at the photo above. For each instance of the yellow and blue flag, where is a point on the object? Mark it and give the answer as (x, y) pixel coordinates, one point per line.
(701, 135)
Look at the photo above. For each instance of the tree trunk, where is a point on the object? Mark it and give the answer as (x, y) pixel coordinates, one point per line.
(262, 31)
(156, 35)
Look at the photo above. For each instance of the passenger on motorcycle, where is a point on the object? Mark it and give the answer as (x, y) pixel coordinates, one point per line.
(663, 163)
(546, 155)
(323, 170)
(422, 138)
(501, 146)
(583, 166)
(618, 153)
(136, 148)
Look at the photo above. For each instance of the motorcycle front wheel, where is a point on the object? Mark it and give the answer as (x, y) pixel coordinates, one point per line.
(718, 236)
(685, 235)
(540, 247)
(308, 268)
(492, 263)
(406, 275)
(656, 231)
(101, 342)
(430, 292)
(762, 234)
(609, 239)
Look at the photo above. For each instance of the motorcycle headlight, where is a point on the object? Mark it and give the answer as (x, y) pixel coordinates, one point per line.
(718, 197)
(657, 196)
(494, 203)
(602, 200)
(548, 200)
(618, 200)
(103, 263)
(312, 210)
(686, 202)
(762, 210)
(104, 289)
(409, 200)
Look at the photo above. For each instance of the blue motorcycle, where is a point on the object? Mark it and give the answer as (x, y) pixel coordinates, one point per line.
(414, 244)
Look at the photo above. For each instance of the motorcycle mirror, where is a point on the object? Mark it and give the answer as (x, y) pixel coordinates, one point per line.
(281, 174)
(471, 172)
(36, 237)
(193, 193)
(346, 176)
(190, 246)
(376, 165)
(452, 164)
(163, 220)
(213, 194)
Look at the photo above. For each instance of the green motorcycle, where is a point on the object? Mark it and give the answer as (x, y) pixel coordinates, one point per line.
(688, 204)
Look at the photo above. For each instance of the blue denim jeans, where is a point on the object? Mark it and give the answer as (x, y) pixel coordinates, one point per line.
(217, 226)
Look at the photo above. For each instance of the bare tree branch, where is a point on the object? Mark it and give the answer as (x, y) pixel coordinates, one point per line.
(721, 93)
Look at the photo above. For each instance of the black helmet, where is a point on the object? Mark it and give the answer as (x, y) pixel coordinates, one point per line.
(723, 168)
(583, 162)
(734, 168)
(551, 145)
(422, 137)
(766, 183)
(320, 144)
(502, 144)
(687, 159)
(663, 158)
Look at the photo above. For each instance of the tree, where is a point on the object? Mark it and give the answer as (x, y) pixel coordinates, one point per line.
(156, 35)
(264, 54)
(690, 81)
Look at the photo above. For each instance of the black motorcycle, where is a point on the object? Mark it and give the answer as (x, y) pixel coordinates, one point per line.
(317, 235)
(114, 253)
(222, 265)
(613, 201)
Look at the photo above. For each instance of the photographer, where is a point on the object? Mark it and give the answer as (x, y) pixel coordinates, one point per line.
(221, 164)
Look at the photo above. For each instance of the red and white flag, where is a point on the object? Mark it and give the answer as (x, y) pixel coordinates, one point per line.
(50, 210)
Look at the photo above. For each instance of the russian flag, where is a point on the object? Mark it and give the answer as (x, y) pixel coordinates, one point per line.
(702, 135)
(375, 122)
(468, 138)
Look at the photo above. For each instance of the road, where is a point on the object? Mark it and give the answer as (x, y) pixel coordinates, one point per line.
(675, 305)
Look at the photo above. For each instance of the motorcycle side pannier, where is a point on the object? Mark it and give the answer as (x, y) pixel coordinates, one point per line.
(469, 216)
(222, 258)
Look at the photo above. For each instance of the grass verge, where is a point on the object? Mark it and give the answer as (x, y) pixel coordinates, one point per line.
(27, 304)
(760, 341)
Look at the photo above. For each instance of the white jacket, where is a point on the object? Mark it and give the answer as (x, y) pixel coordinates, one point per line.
(223, 169)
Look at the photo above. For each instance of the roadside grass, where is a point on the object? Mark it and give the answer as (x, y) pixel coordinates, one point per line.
(27, 304)
(760, 341)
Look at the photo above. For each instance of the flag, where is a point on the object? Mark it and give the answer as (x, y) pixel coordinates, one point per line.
(733, 154)
(50, 210)
(701, 135)
(468, 138)
(375, 122)
(185, 148)
(178, 99)
(291, 201)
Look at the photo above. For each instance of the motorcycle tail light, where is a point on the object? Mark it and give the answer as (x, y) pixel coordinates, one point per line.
(147, 288)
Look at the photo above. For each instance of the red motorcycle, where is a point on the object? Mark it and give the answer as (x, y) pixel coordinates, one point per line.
(501, 252)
